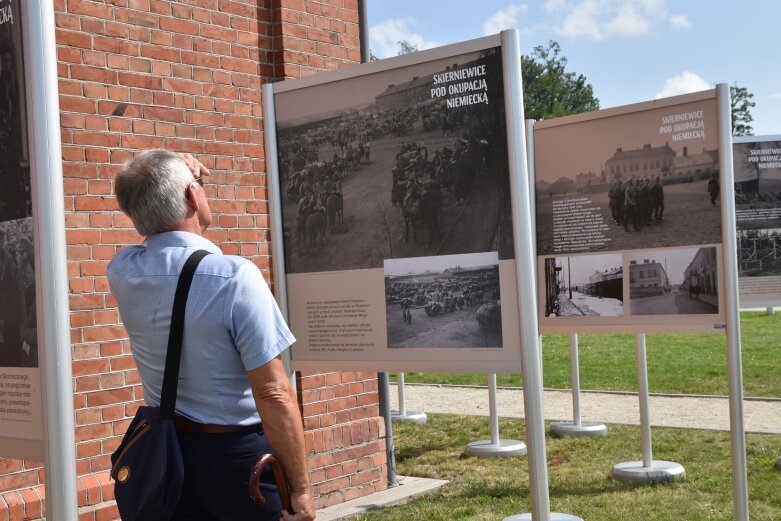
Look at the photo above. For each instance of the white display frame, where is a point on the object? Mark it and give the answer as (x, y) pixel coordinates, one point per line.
(508, 361)
(752, 300)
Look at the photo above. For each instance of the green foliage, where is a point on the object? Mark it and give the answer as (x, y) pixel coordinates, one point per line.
(549, 90)
(741, 104)
(406, 47)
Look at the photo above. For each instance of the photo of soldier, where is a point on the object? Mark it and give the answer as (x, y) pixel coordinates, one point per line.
(445, 302)
(408, 162)
(714, 189)
(628, 181)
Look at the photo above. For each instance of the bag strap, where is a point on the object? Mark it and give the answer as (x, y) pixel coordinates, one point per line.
(174, 353)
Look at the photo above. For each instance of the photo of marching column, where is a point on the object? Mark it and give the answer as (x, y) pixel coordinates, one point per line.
(583, 286)
(401, 163)
(623, 179)
(447, 301)
(673, 282)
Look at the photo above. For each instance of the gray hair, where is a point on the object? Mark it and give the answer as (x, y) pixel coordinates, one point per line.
(150, 189)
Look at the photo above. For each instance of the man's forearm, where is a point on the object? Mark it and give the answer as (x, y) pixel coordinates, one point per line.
(285, 434)
(282, 423)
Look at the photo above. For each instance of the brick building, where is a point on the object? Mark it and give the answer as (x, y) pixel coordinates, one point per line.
(184, 75)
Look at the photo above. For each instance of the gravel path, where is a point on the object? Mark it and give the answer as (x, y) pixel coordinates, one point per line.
(693, 412)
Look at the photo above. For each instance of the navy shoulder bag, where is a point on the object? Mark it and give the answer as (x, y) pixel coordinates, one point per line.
(147, 467)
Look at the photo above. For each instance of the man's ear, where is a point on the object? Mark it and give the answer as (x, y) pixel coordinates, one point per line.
(192, 199)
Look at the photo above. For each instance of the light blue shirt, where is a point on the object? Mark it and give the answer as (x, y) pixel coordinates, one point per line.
(232, 324)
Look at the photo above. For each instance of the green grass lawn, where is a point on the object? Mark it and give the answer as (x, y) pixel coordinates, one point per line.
(677, 363)
(579, 474)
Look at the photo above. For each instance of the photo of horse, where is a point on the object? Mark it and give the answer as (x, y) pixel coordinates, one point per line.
(397, 169)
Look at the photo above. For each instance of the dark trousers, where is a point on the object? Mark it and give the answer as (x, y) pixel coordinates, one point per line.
(216, 478)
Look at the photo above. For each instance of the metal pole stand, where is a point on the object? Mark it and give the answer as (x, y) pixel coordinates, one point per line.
(770, 310)
(403, 415)
(648, 470)
(778, 463)
(576, 427)
(554, 516)
(494, 447)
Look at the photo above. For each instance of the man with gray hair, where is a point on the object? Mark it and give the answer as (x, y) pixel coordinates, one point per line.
(231, 374)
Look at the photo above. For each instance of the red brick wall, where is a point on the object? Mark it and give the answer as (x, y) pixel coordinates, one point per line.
(344, 434)
(183, 75)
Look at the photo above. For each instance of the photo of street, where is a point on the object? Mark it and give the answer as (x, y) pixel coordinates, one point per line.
(584, 285)
(682, 281)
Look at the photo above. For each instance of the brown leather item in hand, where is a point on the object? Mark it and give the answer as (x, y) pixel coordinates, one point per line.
(279, 477)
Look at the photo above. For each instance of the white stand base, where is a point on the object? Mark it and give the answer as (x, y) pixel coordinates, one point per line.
(486, 449)
(585, 429)
(409, 416)
(658, 472)
(554, 516)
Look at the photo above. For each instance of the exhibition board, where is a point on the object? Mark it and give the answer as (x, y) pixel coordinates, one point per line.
(21, 414)
(394, 202)
(629, 218)
(757, 165)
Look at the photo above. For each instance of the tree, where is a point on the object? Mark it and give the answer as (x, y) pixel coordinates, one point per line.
(406, 47)
(549, 90)
(741, 104)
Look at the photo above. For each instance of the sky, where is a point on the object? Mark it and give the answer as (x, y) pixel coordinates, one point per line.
(439, 263)
(675, 260)
(629, 50)
(581, 267)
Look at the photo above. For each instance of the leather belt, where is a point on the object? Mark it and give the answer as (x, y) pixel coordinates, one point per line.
(187, 425)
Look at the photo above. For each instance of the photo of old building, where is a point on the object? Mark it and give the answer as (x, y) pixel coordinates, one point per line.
(640, 185)
(648, 279)
(676, 281)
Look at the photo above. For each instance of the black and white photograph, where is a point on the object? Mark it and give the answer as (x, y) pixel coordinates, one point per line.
(409, 162)
(584, 286)
(757, 184)
(446, 301)
(679, 281)
(759, 252)
(15, 193)
(18, 335)
(636, 180)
